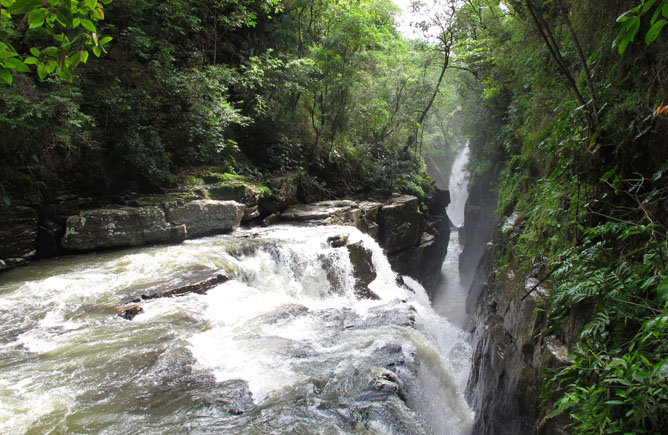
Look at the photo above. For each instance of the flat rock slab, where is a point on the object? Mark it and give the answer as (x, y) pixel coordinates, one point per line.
(317, 211)
(130, 308)
(119, 227)
(205, 217)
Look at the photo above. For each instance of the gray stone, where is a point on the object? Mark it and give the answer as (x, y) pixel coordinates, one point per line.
(238, 192)
(401, 224)
(206, 217)
(119, 227)
(283, 193)
(363, 269)
(330, 212)
(18, 235)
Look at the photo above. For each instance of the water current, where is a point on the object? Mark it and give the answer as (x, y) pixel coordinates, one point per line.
(284, 346)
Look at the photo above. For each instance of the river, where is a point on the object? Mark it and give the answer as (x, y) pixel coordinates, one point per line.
(284, 346)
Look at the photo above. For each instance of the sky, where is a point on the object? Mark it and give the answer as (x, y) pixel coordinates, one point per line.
(405, 18)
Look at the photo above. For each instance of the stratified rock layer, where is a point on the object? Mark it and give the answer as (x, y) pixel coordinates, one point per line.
(117, 227)
(18, 235)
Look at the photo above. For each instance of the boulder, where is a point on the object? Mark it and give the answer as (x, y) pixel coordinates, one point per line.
(239, 192)
(401, 224)
(206, 217)
(368, 222)
(18, 235)
(283, 193)
(329, 212)
(424, 261)
(119, 227)
(363, 269)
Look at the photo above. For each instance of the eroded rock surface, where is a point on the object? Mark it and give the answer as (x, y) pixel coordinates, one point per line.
(205, 217)
(117, 227)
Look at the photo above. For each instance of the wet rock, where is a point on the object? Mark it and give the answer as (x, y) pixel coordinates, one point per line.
(48, 238)
(199, 287)
(18, 235)
(206, 217)
(337, 241)
(129, 311)
(401, 224)
(363, 269)
(119, 227)
(172, 379)
(130, 307)
(424, 261)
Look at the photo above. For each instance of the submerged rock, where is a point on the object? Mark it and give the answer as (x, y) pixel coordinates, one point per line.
(187, 285)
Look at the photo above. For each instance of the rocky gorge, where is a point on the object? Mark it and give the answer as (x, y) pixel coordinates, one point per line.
(413, 232)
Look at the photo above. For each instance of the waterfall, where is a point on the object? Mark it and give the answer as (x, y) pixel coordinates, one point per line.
(286, 345)
(457, 186)
(450, 297)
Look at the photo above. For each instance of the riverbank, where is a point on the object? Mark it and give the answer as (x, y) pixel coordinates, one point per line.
(413, 231)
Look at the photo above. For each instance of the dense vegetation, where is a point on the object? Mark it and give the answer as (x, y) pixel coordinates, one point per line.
(561, 100)
(325, 88)
(570, 106)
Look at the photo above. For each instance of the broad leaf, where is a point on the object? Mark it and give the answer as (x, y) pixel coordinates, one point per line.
(662, 290)
(16, 64)
(5, 75)
(36, 18)
(23, 6)
(654, 31)
(88, 25)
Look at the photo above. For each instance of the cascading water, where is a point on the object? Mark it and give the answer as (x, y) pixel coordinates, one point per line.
(450, 297)
(457, 186)
(284, 346)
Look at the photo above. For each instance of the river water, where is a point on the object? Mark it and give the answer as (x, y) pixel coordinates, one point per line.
(284, 346)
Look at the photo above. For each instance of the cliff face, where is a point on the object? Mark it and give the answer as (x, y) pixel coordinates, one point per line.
(507, 319)
(479, 224)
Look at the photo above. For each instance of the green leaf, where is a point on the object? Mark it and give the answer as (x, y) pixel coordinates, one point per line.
(41, 71)
(97, 51)
(16, 64)
(64, 16)
(654, 31)
(51, 66)
(84, 56)
(655, 16)
(88, 25)
(65, 74)
(36, 18)
(23, 6)
(106, 40)
(664, 10)
(50, 51)
(5, 75)
(662, 290)
(31, 61)
(648, 6)
(34, 51)
(614, 402)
